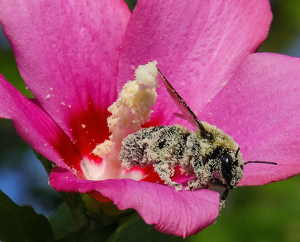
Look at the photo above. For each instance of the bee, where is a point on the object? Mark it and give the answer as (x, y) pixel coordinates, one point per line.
(209, 155)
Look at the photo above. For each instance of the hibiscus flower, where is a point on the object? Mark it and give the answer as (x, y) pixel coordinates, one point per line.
(75, 56)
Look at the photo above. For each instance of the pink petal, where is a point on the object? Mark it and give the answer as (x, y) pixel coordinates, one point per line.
(67, 53)
(260, 109)
(36, 127)
(198, 45)
(180, 213)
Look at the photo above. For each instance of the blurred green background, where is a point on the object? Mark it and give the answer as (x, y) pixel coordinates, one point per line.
(267, 213)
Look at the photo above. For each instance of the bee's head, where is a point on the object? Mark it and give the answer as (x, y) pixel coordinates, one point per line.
(223, 156)
(228, 166)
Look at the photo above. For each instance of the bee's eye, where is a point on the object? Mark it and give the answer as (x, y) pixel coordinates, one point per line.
(226, 167)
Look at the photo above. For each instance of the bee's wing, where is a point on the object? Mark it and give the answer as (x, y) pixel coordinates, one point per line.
(187, 113)
(180, 115)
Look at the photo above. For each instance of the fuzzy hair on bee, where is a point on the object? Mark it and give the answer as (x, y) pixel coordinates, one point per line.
(208, 153)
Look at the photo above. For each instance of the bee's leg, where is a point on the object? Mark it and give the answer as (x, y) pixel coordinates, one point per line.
(164, 172)
(194, 184)
(216, 182)
(225, 194)
(200, 171)
(224, 197)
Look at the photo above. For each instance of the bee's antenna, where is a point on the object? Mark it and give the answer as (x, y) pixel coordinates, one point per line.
(265, 162)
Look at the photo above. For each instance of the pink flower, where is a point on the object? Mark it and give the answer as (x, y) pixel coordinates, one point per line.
(76, 55)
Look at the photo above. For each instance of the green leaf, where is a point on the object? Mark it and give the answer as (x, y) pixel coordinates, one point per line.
(22, 223)
(95, 235)
(130, 229)
(9, 69)
(131, 4)
(133, 228)
(62, 222)
(103, 213)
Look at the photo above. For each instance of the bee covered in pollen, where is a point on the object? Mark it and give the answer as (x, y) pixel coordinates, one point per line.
(209, 154)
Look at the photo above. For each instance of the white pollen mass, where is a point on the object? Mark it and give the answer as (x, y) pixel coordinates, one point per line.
(146, 76)
(131, 110)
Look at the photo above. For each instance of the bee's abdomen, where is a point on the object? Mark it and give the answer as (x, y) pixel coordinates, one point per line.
(172, 145)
